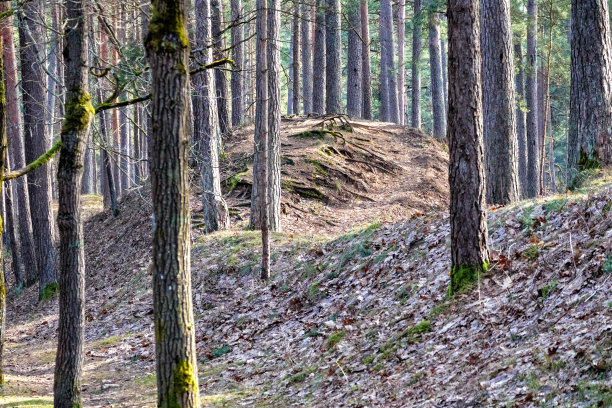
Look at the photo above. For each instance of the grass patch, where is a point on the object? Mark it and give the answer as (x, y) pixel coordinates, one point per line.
(548, 289)
(409, 335)
(315, 294)
(556, 205)
(532, 252)
(335, 338)
(301, 376)
(221, 351)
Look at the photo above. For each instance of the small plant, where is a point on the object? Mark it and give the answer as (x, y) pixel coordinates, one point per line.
(416, 377)
(367, 360)
(221, 351)
(607, 266)
(335, 338)
(438, 310)
(315, 294)
(548, 289)
(525, 219)
(301, 376)
(403, 293)
(532, 252)
(555, 205)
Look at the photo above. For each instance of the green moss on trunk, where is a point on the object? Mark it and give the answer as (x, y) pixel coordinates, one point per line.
(164, 25)
(462, 276)
(79, 112)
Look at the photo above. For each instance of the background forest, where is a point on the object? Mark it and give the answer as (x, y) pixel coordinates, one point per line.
(306, 203)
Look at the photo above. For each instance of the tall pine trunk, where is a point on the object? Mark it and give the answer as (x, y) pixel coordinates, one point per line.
(79, 113)
(319, 60)
(167, 47)
(417, 31)
(297, 44)
(520, 117)
(333, 66)
(590, 124)
(437, 89)
(37, 142)
(531, 98)
(501, 147)
(469, 248)
(206, 128)
(354, 94)
(220, 77)
(401, 70)
(388, 85)
(274, 107)
(306, 37)
(366, 70)
(237, 78)
(16, 150)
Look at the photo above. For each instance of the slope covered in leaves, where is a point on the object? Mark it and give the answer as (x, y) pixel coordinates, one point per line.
(359, 319)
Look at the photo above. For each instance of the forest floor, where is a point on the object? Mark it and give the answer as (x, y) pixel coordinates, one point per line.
(356, 312)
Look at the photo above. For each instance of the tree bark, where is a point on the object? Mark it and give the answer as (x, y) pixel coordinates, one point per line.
(531, 98)
(274, 108)
(501, 161)
(206, 128)
(261, 132)
(590, 124)
(237, 78)
(437, 89)
(401, 70)
(10, 226)
(354, 93)
(388, 85)
(469, 248)
(297, 44)
(3, 141)
(417, 29)
(37, 142)
(79, 113)
(366, 70)
(16, 150)
(520, 117)
(220, 78)
(306, 37)
(290, 83)
(333, 63)
(319, 59)
(168, 53)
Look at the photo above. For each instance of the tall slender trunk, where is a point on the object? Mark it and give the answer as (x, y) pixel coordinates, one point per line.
(79, 113)
(37, 142)
(274, 109)
(417, 29)
(3, 142)
(469, 247)
(10, 226)
(388, 85)
(366, 70)
(206, 129)
(401, 69)
(319, 59)
(354, 93)
(297, 44)
(444, 72)
(237, 78)
(261, 132)
(306, 37)
(217, 22)
(333, 63)
(520, 117)
(531, 98)
(501, 147)
(290, 83)
(437, 90)
(16, 150)
(168, 54)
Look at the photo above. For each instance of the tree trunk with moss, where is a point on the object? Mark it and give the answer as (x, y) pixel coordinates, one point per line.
(333, 62)
(501, 160)
(16, 150)
(167, 46)
(206, 129)
(37, 142)
(274, 108)
(469, 248)
(590, 126)
(79, 113)
(319, 60)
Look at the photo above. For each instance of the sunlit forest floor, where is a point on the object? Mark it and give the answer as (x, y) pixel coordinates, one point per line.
(356, 312)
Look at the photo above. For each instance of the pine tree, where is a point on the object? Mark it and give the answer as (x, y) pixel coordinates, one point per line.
(167, 47)
(531, 98)
(415, 104)
(469, 248)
